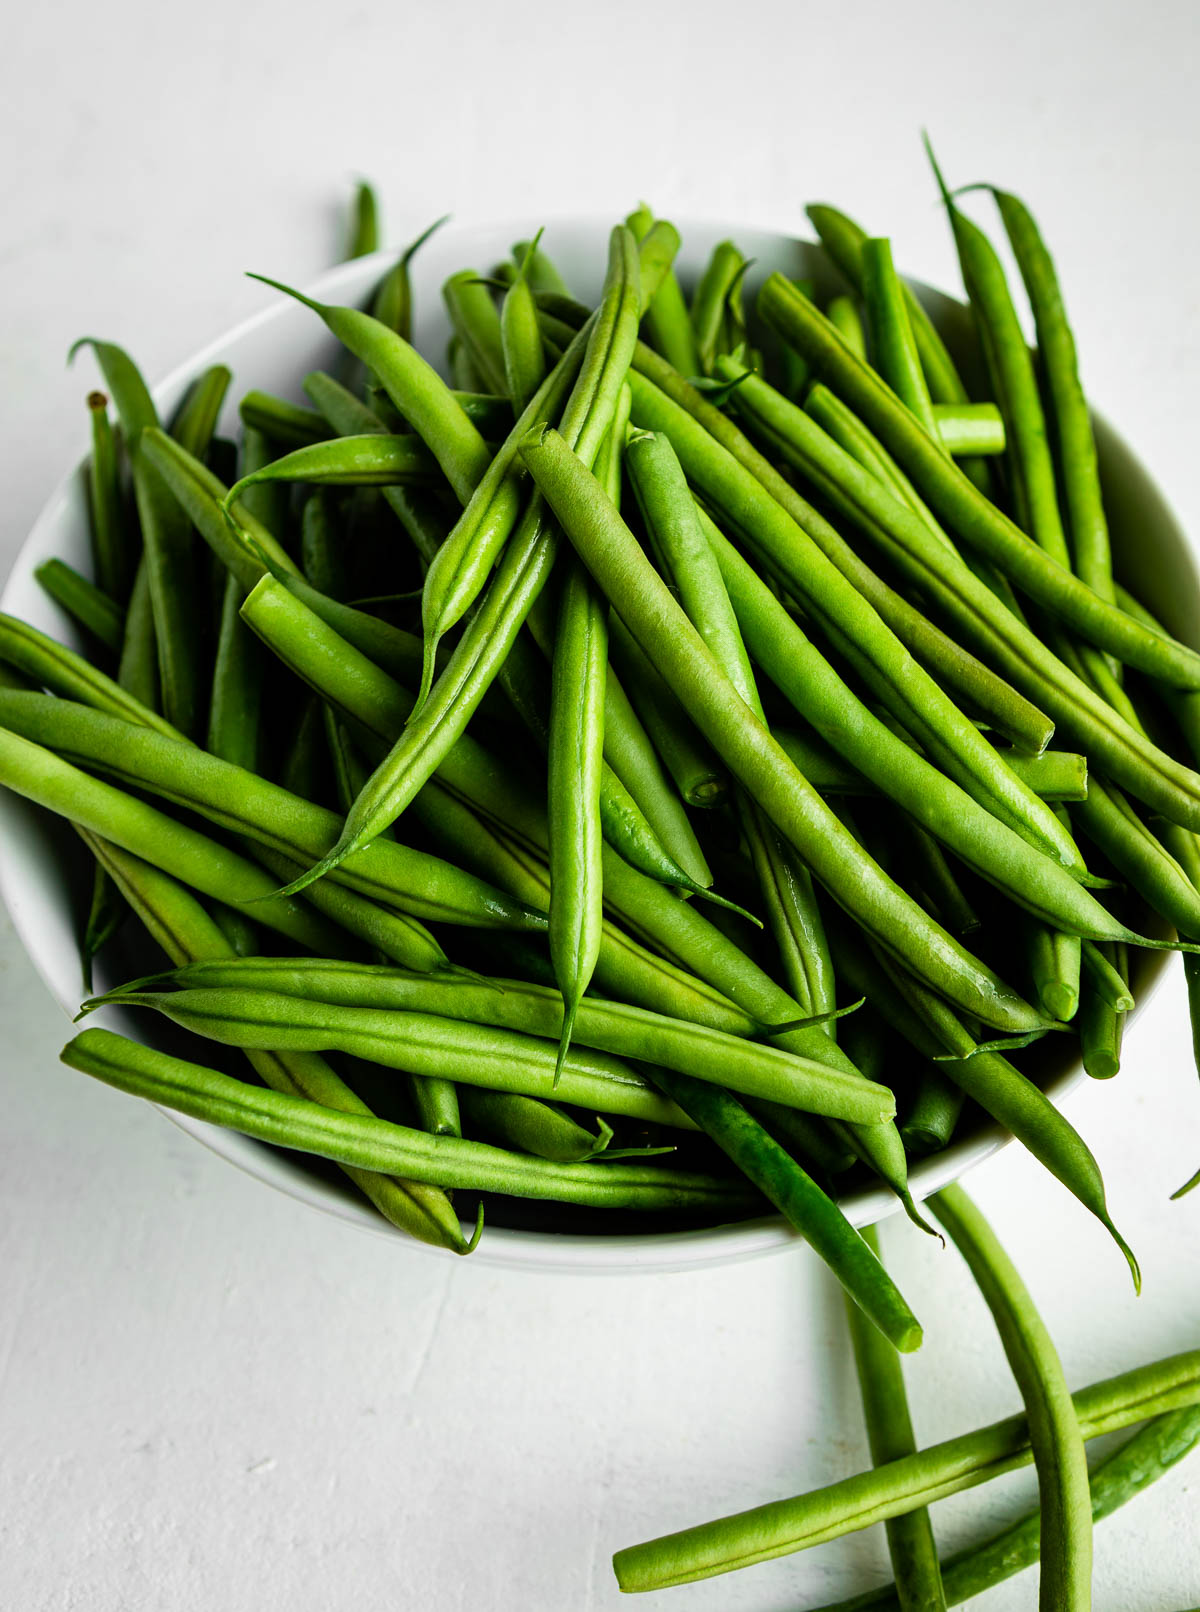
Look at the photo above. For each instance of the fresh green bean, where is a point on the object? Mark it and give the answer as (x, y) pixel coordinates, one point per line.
(531, 1126)
(1119, 1478)
(892, 343)
(1107, 977)
(937, 1103)
(1054, 1432)
(282, 422)
(1054, 963)
(783, 1526)
(1101, 1020)
(725, 267)
(844, 316)
(113, 553)
(666, 321)
(374, 1144)
(1111, 823)
(617, 1028)
(657, 251)
(890, 1436)
(698, 776)
(521, 336)
(652, 614)
(84, 602)
(477, 326)
(540, 270)
(304, 767)
(367, 461)
(187, 934)
(970, 428)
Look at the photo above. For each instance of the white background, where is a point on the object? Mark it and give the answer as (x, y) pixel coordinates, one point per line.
(210, 1397)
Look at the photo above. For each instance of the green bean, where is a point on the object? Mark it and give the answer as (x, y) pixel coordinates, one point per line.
(937, 1103)
(697, 774)
(195, 421)
(666, 321)
(1054, 1432)
(725, 268)
(617, 1028)
(392, 302)
(1119, 1478)
(477, 326)
(178, 922)
(531, 1126)
(1055, 775)
(285, 423)
(465, 560)
(1111, 823)
(375, 1144)
(169, 549)
(970, 428)
(463, 372)
(1107, 978)
(1054, 963)
(842, 239)
(368, 461)
(84, 602)
(657, 251)
(527, 562)
(576, 758)
(364, 222)
(236, 703)
(521, 336)
(844, 316)
(1067, 403)
(322, 558)
(900, 1486)
(892, 341)
(419, 885)
(890, 1436)
(933, 879)
(1101, 1020)
(455, 1049)
(960, 504)
(987, 845)
(107, 911)
(113, 554)
(43, 777)
(652, 614)
(803, 1204)
(51, 665)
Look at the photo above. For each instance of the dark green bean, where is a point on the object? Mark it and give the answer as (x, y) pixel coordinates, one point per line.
(363, 236)
(84, 602)
(195, 420)
(113, 552)
(937, 1103)
(1054, 1433)
(374, 1144)
(282, 422)
(697, 774)
(890, 1437)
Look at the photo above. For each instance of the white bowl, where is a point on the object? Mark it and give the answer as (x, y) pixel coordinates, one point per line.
(274, 350)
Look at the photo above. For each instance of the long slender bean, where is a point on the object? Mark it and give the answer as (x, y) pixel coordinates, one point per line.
(893, 345)
(84, 602)
(113, 551)
(392, 302)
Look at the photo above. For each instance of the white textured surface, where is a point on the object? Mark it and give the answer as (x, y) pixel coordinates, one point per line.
(210, 1397)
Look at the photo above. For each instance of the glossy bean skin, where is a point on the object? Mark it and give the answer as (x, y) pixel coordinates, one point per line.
(365, 1142)
(189, 936)
(620, 1029)
(890, 1437)
(1054, 1432)
(361, 461)
(969, 428)
(615, 559)
(783, 1526)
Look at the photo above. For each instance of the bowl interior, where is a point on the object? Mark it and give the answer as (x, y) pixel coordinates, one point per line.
(40, 862)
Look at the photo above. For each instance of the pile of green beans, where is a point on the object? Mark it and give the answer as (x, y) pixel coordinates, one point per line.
(681, 766)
